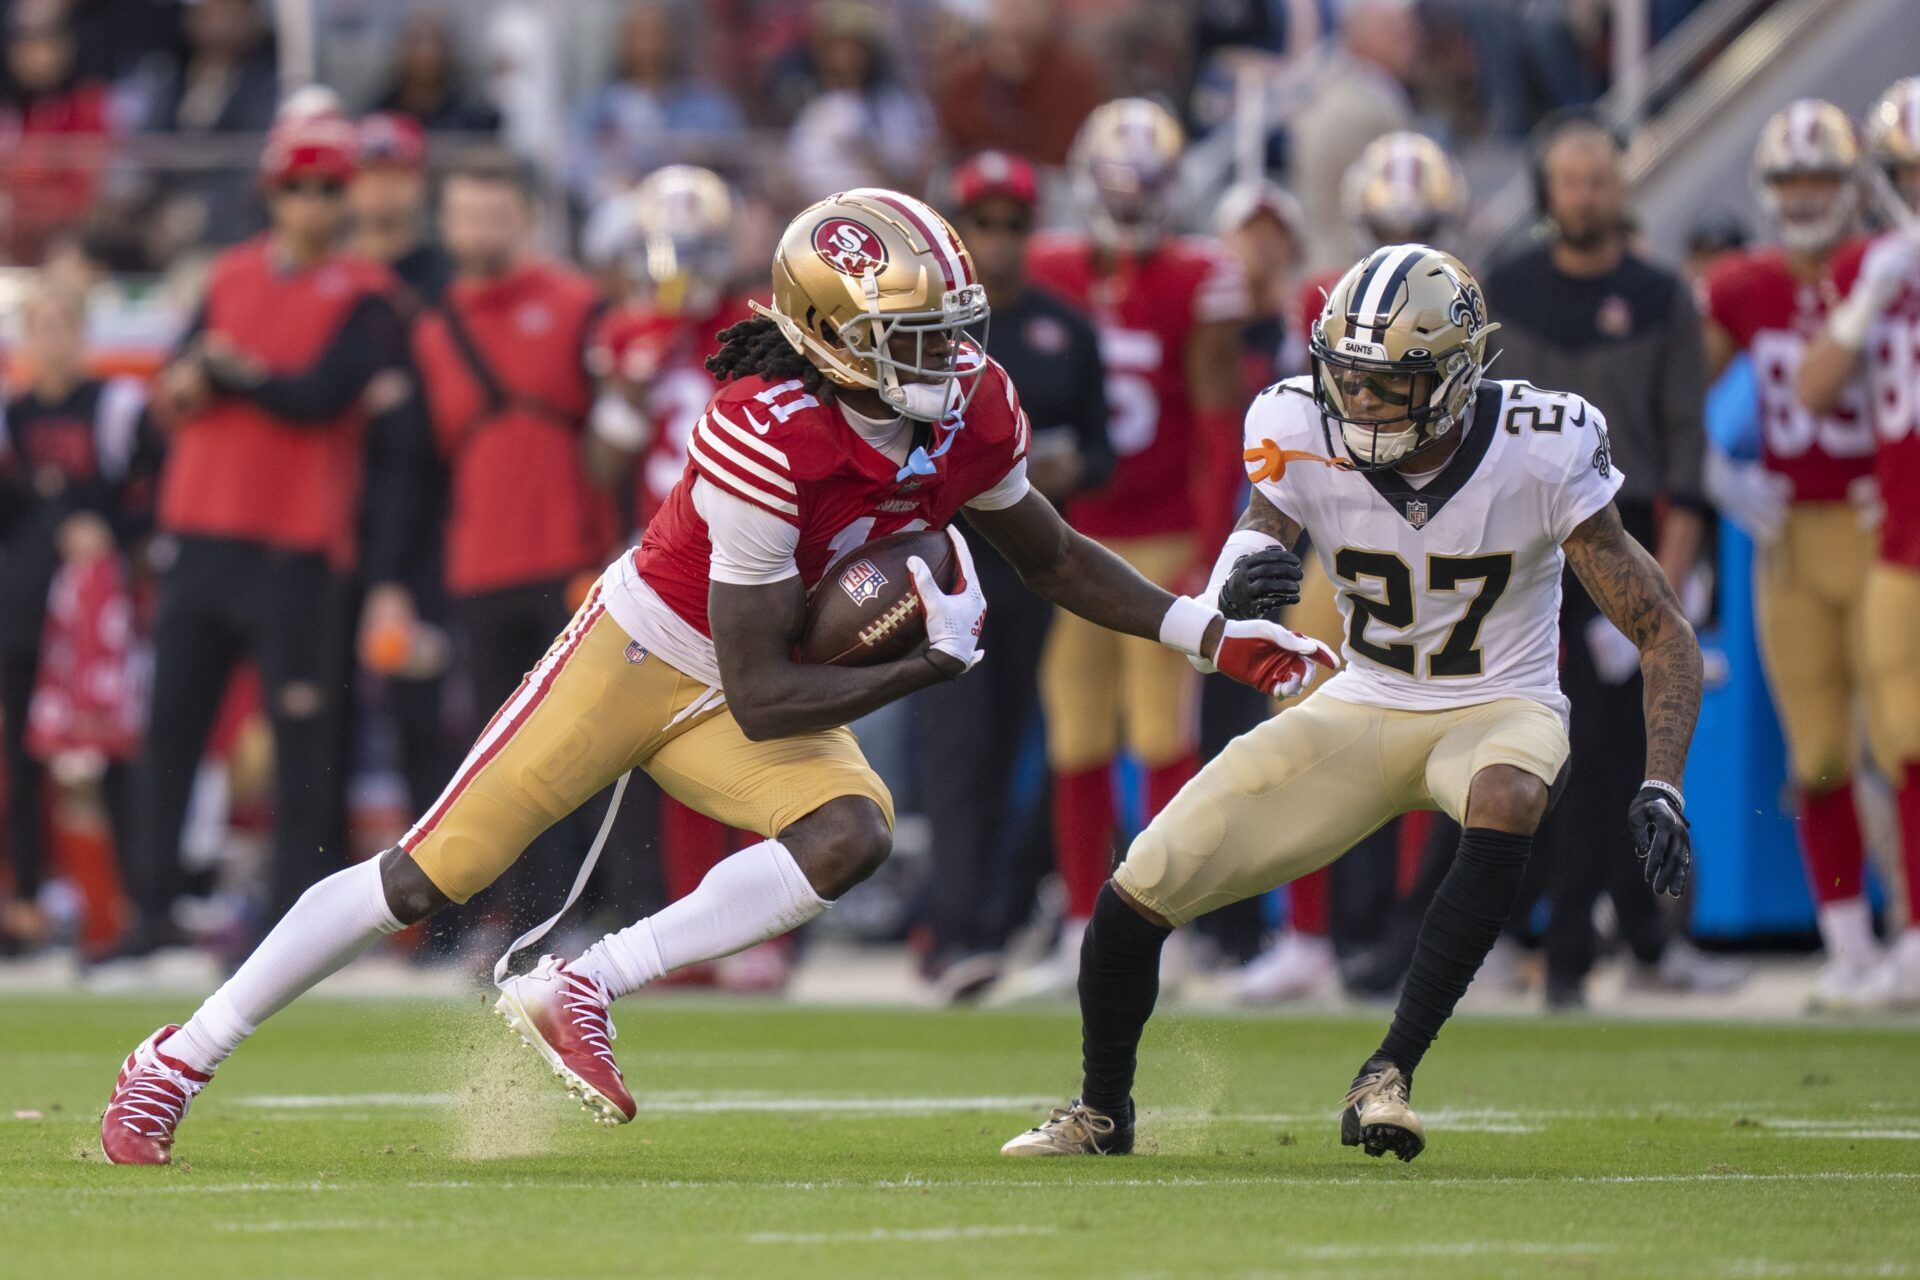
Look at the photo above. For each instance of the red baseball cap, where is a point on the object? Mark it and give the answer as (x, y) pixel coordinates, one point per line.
(393, 139)
(320, 146)
(987, 174)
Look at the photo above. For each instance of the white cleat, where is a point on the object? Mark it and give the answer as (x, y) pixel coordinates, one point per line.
(1900, 979)
(1852, 987)
(1075, 1130)
(1685, 969)
(1295, 967)
(1055, 977)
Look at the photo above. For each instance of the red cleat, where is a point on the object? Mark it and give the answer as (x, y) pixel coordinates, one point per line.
(562, 1015)
(151, 1095)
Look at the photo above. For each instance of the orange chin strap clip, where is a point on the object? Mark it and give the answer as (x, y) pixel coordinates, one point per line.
(1269, 461)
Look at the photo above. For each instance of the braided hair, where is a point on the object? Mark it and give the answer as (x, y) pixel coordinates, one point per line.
(756, 348)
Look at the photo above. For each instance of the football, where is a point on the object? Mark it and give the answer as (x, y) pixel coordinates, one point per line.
(864, 609)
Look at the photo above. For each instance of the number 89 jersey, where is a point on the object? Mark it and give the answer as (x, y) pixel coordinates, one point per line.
(1449, 590)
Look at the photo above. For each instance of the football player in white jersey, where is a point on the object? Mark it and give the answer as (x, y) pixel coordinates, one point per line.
(1443, 507)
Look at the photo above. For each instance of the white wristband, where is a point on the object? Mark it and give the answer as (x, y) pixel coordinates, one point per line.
(1239, 544)
(1668, 789)
(1185, 625)
(617, 422)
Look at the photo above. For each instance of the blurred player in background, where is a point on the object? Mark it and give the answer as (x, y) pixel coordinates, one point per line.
(260, 499)
(1815, 479)
(78, 457)
(1874, 335)
(982, 884)
(1404, 189)
(1168, 310)
(665, 250)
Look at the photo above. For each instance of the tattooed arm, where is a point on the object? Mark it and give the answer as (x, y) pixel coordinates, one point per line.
(1633, 593)
(1262, 516)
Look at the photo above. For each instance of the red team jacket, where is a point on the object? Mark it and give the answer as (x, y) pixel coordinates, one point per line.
(1145, 313)
(1892, 380)
(780, 449)
(1755, 298)
(522, 508)
(233, 470)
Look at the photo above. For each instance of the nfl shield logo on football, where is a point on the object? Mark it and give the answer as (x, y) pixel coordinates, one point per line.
(862, 581)
(1417, 513)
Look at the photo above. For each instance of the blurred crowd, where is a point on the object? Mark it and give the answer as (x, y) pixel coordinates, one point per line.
(257, 596)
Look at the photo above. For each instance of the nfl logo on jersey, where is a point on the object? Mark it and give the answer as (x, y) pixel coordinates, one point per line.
(1417, 513)
(862, 581)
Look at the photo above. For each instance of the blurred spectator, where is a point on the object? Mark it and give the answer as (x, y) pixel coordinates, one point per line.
(1530, 62)
(259, 496)
(428, 83)
(227, 84)
(503, 363)
(1023, 88)
(120, 41)
(1584, 313)
(388, 201)
(77, 459)
(1712, 239)
(53, 129)
(967, 768)
(654, 111)
(1261, 224)
(864, 127)
(1361, 94)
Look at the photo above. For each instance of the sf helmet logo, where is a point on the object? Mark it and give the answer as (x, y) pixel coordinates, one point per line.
(848, 247)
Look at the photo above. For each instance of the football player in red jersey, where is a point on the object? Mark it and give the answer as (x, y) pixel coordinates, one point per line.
(666, 249)
(1811, 570)
(1875, 334)
(1168, 310)
(855, 405)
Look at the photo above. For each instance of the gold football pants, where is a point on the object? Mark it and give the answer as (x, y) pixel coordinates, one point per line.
(1892, 626)
(1293, 794)
(597, 706)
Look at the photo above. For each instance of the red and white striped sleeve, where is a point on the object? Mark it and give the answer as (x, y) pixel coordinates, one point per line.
(732, 456)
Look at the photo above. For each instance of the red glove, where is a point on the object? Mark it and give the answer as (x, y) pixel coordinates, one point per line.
(1269, 657)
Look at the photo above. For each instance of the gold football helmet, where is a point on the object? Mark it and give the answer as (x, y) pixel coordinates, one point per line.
(877, 290)
(1893, 137)
(1403, 188)
(1124, 163)
(1405, 328)
(1809, 139)
(670, 238)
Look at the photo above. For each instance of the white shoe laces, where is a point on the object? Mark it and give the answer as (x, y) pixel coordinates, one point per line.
(585, 1000)
(154, 1099)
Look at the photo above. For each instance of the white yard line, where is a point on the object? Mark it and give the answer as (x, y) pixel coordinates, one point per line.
(315, 1224)
(881, 1235)
(1460, 1249)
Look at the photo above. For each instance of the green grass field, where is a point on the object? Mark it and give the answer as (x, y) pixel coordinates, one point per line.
(412, 1139)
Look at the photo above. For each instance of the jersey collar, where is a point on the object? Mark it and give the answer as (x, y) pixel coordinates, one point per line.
(1420, 507)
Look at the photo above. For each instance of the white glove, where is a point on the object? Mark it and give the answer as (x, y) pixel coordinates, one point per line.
(1889, 266)
(1615, 657)
(953, 621)
(1748, 494)
(1869, 507)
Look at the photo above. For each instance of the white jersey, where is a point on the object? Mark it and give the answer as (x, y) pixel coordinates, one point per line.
(1450, 585)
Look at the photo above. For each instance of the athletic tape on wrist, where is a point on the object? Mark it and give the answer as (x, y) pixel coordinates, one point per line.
(1667, 789)
(1239, 544)
(1184, 626)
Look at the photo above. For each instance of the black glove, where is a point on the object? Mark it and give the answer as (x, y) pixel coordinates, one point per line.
(1661, 839)
(1261, 582)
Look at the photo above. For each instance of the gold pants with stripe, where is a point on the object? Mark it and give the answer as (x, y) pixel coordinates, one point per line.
(1892, 655)
(1097, 685)
(1809, 603)
(1296, 792)
(595, 707)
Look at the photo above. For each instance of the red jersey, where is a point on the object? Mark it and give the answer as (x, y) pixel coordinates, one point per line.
(1756, 298)
(234, 470)
(780, 449)
(665, 355)
(1892, 372)
(1145, 311)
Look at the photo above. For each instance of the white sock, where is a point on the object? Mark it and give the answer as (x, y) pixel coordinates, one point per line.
(1846, 930)
(757, 894)
(333, 922)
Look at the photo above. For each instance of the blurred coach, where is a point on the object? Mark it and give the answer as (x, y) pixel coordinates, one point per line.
(1583, 312)
(1053, 357)
(259, 497)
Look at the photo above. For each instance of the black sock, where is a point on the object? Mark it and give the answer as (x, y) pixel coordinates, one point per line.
(1119, 981)
(1466, 917)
